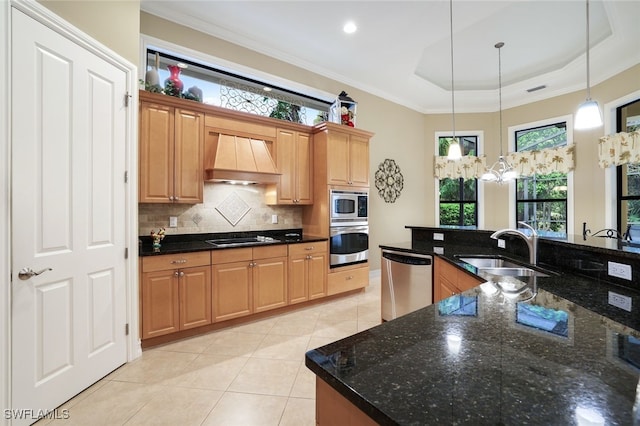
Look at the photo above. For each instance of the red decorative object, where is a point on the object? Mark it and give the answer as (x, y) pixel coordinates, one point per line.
(173, 85)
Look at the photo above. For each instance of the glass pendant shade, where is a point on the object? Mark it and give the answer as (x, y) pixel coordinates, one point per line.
(501, 171)
(454, 153)
(588, 115)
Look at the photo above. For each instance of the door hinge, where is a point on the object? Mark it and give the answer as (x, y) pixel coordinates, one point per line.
(127, 96)
(126, 177)
(126, 329)
(126, 252)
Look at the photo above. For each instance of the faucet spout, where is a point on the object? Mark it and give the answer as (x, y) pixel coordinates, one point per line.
(531, 240)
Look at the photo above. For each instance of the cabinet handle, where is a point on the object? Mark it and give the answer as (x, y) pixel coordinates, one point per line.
(252, 264)
(170, 197)
(176, 198)
(181, 274)
(350, 277)
(176, 274)
(179, 262)
(309, 248)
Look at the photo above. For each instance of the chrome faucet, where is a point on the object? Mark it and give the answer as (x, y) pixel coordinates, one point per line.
(531, 240)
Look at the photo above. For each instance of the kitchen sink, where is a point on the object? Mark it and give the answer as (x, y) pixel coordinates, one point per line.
(241, 241)
(501, 267)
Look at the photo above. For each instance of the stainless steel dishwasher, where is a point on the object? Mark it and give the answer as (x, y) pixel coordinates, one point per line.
(407, 282)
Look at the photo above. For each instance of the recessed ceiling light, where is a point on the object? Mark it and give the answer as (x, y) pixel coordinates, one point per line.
(350, 27)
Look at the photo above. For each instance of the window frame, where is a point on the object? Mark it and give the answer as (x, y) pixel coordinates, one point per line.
(620, 198)
(479, 201)
(570, 206)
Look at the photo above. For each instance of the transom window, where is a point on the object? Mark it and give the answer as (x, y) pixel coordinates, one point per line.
(459, 197)
(541, 200)
(232, 91)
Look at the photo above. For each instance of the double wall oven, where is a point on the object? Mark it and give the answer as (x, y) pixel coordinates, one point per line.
(349, 233)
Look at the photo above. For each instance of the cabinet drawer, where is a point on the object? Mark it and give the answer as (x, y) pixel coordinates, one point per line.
(307, 248)
(239, 128)
(231, 255)
(266, 252)
(174, 261)
(339, 282)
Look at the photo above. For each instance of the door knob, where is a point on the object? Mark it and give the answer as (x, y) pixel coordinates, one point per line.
(26, 273)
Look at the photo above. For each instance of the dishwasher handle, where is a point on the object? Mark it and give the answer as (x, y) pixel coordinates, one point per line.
(407, 258)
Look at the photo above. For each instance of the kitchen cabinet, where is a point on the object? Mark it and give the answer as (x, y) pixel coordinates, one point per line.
(334, 409)
(448, 280)
(171, 154)
(308, 263)
(176, 293)
(248, 280)
(294, 160)
(351, 278)
(341, 154)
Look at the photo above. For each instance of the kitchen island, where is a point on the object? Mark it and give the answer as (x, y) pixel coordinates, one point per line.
(558, 354)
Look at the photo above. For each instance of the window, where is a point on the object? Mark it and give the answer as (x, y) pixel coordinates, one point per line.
(232, 91)
(628, 175)
(459, 197)
(541, 200)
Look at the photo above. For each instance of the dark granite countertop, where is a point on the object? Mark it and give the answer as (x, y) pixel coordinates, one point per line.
(186, 243)
(481, 358)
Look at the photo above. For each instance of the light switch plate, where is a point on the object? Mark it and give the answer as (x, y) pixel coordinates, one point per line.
(173, 221)
(620, 301)
(619, 270)
(438, 236)
(274, 218)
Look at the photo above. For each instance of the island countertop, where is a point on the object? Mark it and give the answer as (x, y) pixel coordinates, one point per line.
(481, 358)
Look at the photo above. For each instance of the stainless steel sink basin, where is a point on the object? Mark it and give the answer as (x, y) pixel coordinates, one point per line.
(501, 267)
(241, 241)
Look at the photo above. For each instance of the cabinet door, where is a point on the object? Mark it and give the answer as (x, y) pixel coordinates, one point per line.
(467, 282)
(189, 145)
(232, 292)
(317, 266)
(304, 169)
(286, 163)
(195, 297)
(160, 307)
(156, 153)
(358, 161)
(269, 284)
(337, 159)
(298, 279)
(443, 289)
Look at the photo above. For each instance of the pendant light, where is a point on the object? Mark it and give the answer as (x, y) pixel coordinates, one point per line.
(454, 153)
(588, 115)
(501, 171)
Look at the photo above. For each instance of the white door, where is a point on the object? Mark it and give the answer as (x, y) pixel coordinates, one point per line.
(68, 214)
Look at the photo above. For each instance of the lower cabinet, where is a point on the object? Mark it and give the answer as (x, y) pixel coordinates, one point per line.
(175, 293)
(308, 263)
(248, 280)
(448, 280)
(334, 409)
(347, 280)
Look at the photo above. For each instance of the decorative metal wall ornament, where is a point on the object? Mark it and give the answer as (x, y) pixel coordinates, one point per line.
(389, 180)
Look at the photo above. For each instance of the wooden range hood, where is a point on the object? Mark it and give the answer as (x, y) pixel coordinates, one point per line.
(241, 159)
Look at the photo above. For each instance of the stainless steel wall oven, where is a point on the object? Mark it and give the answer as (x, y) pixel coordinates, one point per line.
(348, 245)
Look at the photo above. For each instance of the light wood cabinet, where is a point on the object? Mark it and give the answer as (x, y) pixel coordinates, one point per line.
(248, 280)
(171, 154)
(294, 160)
(334, 409)
(347, 280)
(348, 159)
(448, 280)
(308, 263)
(176, 293)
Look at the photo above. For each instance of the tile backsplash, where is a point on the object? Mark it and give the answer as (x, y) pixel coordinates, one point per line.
(207, 218)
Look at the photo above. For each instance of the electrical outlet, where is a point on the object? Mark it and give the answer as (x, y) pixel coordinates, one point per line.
(502, 243)
(620, 301)
(438, 236)
(438, 250)
(619, 270)
(274, 218)
(173, 221)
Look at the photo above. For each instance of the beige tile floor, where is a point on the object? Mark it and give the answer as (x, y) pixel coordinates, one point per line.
(252, 374)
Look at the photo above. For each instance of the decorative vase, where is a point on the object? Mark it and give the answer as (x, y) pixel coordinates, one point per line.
(152, 79)
(173, 85)
(196, 92)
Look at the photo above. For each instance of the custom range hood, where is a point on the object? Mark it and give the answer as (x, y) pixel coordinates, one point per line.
(236, 159)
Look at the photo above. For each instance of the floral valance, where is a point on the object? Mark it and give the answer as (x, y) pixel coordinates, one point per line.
(618, 149)
(548, 160)
(467, 167)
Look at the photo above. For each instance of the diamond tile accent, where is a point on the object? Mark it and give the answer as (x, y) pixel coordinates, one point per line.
(233, 208)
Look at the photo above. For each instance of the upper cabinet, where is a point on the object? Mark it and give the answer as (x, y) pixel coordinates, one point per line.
(294, 160)
(346, 151)
(170, 154)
